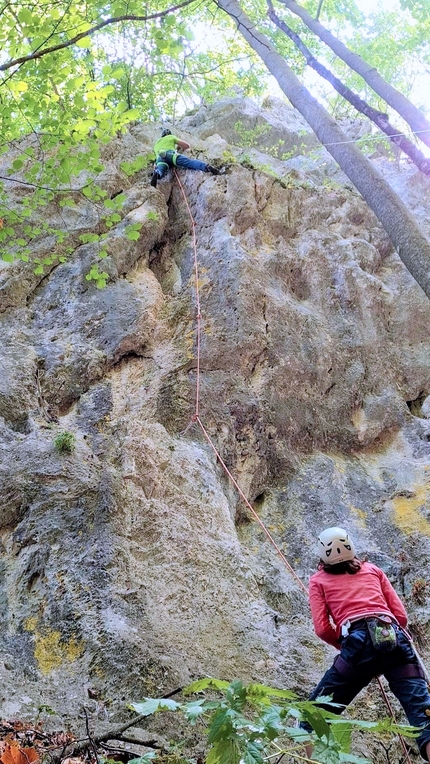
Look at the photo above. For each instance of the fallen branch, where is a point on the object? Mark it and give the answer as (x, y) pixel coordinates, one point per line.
(113, 734)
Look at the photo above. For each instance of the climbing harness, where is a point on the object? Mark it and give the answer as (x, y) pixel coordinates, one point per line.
(168, 158)
(195, 419)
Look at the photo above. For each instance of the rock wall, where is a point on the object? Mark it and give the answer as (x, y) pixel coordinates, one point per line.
(130, 566)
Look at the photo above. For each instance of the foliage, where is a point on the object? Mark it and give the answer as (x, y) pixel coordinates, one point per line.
(250, 138)
(251, 723)
(65, 442)
(73, 76)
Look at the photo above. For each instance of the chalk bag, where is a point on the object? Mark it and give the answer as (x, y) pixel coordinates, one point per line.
(382, 633)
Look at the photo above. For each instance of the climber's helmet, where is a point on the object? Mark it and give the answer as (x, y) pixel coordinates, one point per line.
(335, 545)
(166, 131)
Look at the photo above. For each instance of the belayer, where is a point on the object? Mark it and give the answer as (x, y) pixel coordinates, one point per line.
(166, 156)
(369, 630)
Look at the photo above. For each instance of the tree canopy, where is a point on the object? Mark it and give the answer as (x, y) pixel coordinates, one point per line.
(73, 73)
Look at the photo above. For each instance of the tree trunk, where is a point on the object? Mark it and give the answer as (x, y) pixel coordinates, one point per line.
(378, 117)
(409, 241)
(413, 116)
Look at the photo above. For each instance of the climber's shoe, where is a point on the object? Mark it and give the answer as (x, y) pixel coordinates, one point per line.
(213, 170)
(154, 179)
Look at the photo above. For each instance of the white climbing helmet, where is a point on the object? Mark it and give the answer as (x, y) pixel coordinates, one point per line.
(335, 545)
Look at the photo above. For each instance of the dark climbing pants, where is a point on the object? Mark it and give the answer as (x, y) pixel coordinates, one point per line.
(359, 662)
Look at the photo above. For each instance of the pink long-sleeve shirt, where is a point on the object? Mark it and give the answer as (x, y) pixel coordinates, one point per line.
(346, 597)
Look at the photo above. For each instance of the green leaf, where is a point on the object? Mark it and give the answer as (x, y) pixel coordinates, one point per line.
(221, 726)
(133, 235)
(25, 16)
(326, 754)
(349, 757)
(225, 752)
(151, 705)
(85, 42)
(252, 753)
(342, 733)
(8, 258)
(131, 114)
(147, 757)
(206, 683)
(260, 690)
(317, 721)
(297, 734)
(193, 710)
(44, 709)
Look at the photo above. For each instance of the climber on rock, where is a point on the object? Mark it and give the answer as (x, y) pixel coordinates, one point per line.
(369, 630)
(166, 156)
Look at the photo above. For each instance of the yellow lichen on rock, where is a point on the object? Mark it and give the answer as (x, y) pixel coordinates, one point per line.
(360, 516)
(51, 651)
(407, 515)
(31, 623)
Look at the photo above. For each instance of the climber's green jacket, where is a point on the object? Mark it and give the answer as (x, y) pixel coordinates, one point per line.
(166, 143)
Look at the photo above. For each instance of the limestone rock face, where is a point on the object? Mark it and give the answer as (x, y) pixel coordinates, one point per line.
(131, 566)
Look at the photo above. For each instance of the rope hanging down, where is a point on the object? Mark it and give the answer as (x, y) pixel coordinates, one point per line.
(196, 419)
(196, 415)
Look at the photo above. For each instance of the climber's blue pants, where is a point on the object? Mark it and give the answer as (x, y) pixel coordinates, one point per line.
(163, 164)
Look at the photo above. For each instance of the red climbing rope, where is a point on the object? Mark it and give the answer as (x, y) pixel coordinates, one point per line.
(390, 709)
(196, 280)
(250, 507)
(196, 419)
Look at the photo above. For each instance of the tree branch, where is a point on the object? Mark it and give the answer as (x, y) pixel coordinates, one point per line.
(413, 116)
(319, 9)
(378, 117)
(114, 20)
(405, 233)
(60, 20)
(115, 734)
